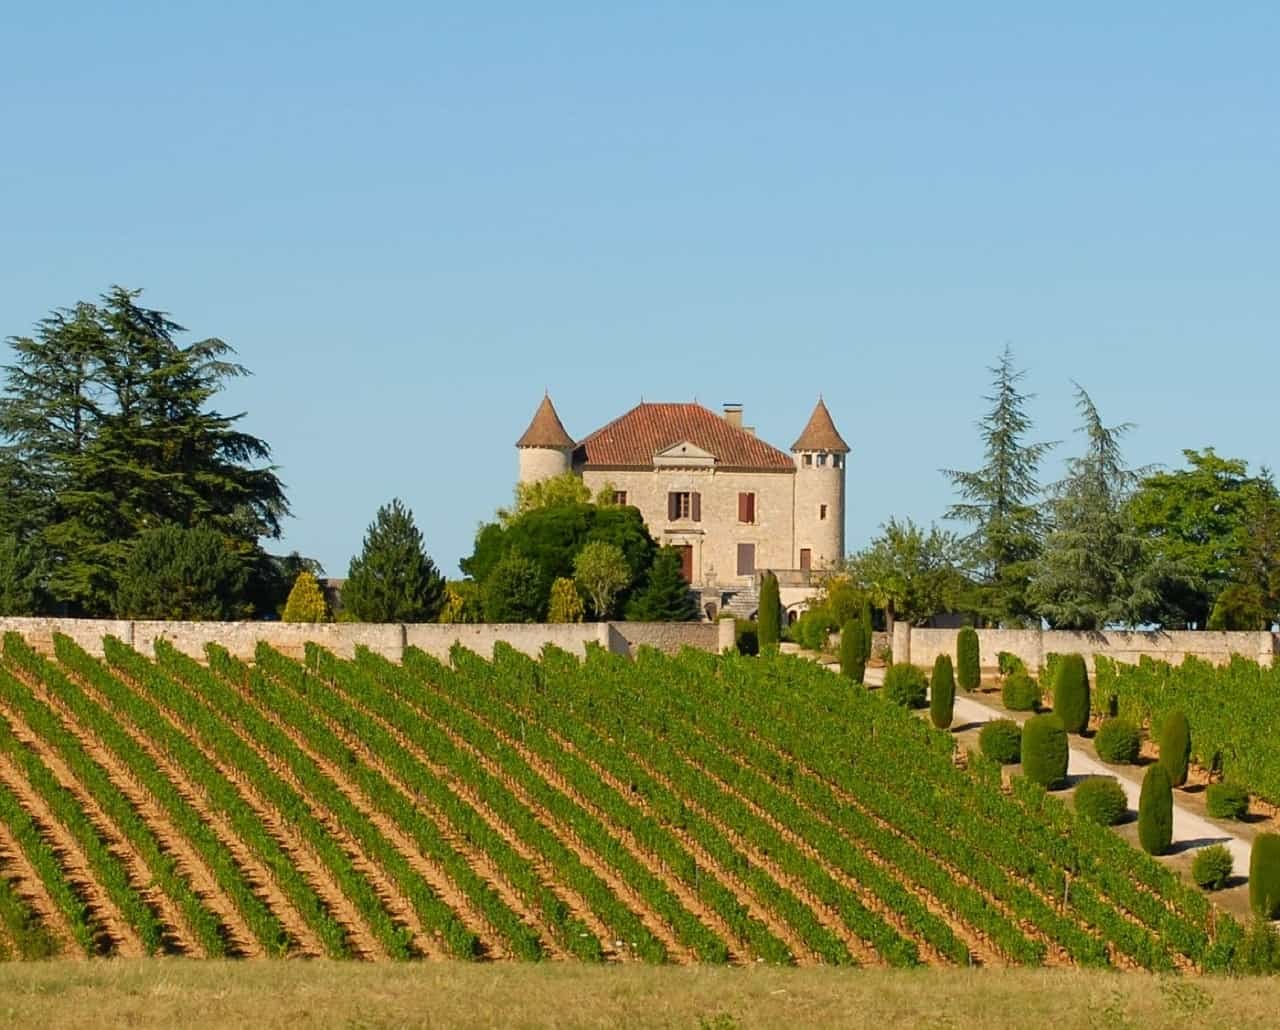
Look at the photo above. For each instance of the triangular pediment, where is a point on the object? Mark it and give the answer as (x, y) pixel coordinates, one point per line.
(684, 453)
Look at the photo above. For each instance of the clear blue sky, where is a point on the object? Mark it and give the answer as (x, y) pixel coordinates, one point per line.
(410, 219)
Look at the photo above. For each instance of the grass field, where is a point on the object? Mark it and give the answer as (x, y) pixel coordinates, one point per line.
(165, 993)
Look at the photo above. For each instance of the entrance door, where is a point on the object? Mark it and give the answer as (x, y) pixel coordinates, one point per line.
(746, 559)
(686, 561)
(806, 559)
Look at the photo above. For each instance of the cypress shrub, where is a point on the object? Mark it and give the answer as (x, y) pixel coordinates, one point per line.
(853, 650)
(942, 692)
(306, 601)
(1155, 811)
(1211, 868)
(1071, 693)
(1009, 663)
(1101, 800)
(1044, 751)
(905, 685)
(968, 660)
(1175, 746)
(1020, 693)
(1001, 741)
(1118, 741)
(1226, 801)
(769, 621)
(1264, 876)
(864, 624)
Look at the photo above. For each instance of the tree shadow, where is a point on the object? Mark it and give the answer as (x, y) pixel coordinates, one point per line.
(1235, 880)
(1180, 846)
(967, 726)
(1193, 788)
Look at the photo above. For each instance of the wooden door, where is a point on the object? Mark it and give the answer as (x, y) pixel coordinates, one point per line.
(806, 559)
(686, 561)
(746, 559)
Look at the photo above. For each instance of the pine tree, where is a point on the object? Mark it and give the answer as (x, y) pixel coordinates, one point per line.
(999, 500)
(182, 574)
(665, 595)
(393, 579)
(22, 576)
(306, 601)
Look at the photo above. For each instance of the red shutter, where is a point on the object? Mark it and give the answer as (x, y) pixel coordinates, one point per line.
(673, 507)
(695, 507)
(743, 513)
(751, 508)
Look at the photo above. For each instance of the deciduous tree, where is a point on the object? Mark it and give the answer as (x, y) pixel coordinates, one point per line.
(601, 572)
(910, 573)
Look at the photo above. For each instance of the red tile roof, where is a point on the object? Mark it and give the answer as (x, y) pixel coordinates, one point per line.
(546, 429)
(632, 440)
(821, 434)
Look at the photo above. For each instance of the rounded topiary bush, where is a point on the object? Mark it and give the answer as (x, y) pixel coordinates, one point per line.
(1211, 868)
(1226, 801)
(1001, 741)
(1044, 751)
(1155, 811)
(968, 659)
(1102, 800)
(905, 685)
(1020, 693)
(1264, 876)
(1118, 741)
(942, 692)
(1071, 693)
(1175, 746)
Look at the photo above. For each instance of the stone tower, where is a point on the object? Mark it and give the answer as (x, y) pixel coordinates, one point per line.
(545, 449)
(820, 455)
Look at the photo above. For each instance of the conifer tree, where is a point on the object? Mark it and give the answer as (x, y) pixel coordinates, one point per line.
(664, 596)
(393, 579)
(182, 574)
(770, 616)
(565, 603)
(306, 601)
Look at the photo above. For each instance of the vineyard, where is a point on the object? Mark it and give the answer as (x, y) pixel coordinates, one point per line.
(696, 809)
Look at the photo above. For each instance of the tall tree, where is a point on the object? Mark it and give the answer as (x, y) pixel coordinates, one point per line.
(601, 572)
(999, 500)
(665, 595)
(392, 579)
(912, 574)
(1095, 570)
(179, 573)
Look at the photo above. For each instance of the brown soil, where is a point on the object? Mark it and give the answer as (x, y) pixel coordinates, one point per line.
(18, 870)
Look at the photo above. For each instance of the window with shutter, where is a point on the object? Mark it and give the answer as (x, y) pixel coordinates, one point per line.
(682, 505)
(695, 507)
(747, 508)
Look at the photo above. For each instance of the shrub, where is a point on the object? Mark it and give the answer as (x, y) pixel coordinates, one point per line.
(769, 621)
(1044, 751)
(942, 692)
(1211, 868)
(1260, 951)
(306, 601)
(1101, 800)
(746, 635)
(1020, 693)
(172, 572)
(905, 685)
(1071, 693)
(1010, 663)
(1264, 876)
(1001, 741)
(513, 592)
(1226, 801)
(1175, 746)
(1155, 811)
(813, 629)
(1118, 741)
(565, 603)
(968, 659)
(853, 651)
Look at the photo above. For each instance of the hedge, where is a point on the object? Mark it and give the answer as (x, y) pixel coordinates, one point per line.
(1102, 800)
(968, 659)
(1211, 868)
(1264, 876)
(1020, 693)
(1175, 746)
(905, 685)
(1044, 751)
(1118, 741)
(1226, 801)
(1071, 693)
(942, 693)
(1155, 811)
(1001, 741)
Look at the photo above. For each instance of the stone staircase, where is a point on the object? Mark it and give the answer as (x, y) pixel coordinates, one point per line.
(743, 601)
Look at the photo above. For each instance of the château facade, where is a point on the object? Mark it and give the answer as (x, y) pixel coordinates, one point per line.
(730, 503)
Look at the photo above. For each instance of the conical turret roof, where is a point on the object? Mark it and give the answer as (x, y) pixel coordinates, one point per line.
(821, 434)
(546, 429)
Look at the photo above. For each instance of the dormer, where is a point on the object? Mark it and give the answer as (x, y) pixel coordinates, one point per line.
(683, 455)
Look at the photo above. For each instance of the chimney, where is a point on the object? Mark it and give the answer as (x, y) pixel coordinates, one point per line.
(733, 414)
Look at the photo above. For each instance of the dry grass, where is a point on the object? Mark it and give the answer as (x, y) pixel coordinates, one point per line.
(318, 993)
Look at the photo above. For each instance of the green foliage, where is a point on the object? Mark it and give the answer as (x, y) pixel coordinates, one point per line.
(968, 659)
(814, 628)
(1211, 868)
(393, 579)
(854, 651)
(664, 595)
(565, 603)
(23, 572)
(601, 572)
(1009, 663)
(746, 636)
(463, 602)
(1001, 741)
(911, 574)
(1259, 953)
(1118, 741)
(1044, 751)
(1020, 693)
(513, 591)
(1101, 800)
(563, 490)
(769, 618)
(1155, 811)
(1264, 876)
(942, 693)
(905, 685)
(306, 601)
(999, 501)
(1071, 693)
(182, 574)
(1175, 746)
(1226, 801)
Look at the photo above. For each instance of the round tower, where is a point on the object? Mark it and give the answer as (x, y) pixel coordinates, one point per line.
(820, 454)
(545, 449)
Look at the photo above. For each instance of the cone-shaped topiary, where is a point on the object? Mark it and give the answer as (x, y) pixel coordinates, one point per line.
(769, 620)
(1155, 811)
(1071, 693)
(905, 685)
(968, 659)
(942, 692)
(1001, 741)
(1118, 742)
(1264, 876)
(1044, 751)
(853, 656)
(1102, 800)
(1175, 746)
(306, 601)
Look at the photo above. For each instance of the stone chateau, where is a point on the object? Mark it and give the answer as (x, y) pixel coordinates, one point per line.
(731, 504)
